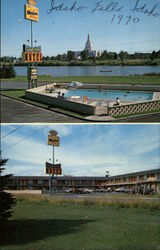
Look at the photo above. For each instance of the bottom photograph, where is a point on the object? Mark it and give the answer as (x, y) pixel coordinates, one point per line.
(74, 187)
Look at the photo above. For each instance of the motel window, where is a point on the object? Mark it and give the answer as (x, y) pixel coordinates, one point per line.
(46, 182)
(134, 178)
(150, 175)
(30, 182)
(40, 182)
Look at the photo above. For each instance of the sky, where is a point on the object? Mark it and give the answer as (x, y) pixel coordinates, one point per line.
(85, 150)
(129, 25)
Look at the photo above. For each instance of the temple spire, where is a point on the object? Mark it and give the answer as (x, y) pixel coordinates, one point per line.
(88, 46)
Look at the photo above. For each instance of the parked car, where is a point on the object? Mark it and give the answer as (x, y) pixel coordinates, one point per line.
(69, 190)
(109, 190)
(120, 190)
(80, 191)
(123, 190)
(149, 191)
(88, 191)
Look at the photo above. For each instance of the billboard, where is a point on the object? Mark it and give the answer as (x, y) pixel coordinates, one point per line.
(53, 169)
(32, 73)
(32, 56)
(31, 13)
(27, 48)
(53, 140)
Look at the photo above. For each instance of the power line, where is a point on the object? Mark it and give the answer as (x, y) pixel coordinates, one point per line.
(25, 138)
(11, 132)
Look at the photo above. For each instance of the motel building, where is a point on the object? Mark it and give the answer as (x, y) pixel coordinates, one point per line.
(148, 179)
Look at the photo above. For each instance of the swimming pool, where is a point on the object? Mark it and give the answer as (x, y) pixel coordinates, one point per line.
(110, 94)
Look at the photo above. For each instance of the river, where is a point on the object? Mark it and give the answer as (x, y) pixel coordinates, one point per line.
(91, 70)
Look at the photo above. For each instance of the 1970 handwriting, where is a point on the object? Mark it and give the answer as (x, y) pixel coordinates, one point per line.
(140, 8)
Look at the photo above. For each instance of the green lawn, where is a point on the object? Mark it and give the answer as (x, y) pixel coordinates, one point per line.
(52, 225)
(155, 79)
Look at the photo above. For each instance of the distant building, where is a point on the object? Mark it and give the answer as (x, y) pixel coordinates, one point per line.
(88, 47)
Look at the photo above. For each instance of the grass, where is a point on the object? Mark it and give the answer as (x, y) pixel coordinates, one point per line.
(48, 223)
(146, 79)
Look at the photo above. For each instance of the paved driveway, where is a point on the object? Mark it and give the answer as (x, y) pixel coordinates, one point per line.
(13, 111)
(17, 85)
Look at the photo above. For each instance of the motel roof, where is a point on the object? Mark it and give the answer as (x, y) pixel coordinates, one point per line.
(152, 171)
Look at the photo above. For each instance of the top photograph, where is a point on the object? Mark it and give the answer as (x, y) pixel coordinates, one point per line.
(84, 61)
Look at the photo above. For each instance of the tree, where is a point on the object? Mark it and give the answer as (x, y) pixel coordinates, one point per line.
(122, 55)
(7, 200)
(84, 55)
(115, 56)
(70, 55)
(104, 56)
(153, 55)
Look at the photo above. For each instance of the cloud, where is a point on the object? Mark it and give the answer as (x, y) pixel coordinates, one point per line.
(84, 149)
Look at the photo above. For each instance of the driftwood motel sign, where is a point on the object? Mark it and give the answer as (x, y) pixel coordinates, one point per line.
(31, 54)
(51, 168)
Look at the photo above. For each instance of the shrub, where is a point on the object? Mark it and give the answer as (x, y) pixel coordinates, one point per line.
(7, 71)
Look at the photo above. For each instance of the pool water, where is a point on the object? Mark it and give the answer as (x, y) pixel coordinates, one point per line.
(110, 94)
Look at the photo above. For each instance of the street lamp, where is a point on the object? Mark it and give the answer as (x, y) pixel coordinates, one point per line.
(35, 41)
(107, 173)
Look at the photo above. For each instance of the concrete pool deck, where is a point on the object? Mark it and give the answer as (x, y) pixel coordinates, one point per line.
(94, 109)
(100, 104)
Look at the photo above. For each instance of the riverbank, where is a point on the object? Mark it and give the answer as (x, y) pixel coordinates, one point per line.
(145, 79)
(117, 62)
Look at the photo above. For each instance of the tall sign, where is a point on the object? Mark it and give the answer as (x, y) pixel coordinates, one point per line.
(53, 139)
(51, 168)
(31, 12)
(31, 55)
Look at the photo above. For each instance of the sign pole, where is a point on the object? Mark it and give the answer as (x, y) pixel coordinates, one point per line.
(49, 184)
(32, 50)
(31, 54)
(51, 168)
(53, 174)
(28, 70)
(31, 35)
